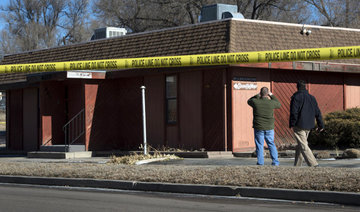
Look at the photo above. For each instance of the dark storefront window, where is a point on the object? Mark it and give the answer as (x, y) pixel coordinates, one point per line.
(171, 99)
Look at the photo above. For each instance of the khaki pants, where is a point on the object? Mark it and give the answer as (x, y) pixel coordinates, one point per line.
(302, 150)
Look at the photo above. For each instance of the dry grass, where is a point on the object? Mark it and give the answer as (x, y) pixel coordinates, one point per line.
(324, 179)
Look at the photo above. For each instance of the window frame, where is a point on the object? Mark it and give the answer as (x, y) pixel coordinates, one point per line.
(171, 98)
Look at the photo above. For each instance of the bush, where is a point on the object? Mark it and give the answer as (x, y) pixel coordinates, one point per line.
(342, 130)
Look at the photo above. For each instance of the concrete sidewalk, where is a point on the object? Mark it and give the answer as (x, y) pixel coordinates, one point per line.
(234, 161)
(340, 163)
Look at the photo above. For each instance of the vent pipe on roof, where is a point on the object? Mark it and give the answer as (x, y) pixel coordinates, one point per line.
(108, 32)
(219, 11)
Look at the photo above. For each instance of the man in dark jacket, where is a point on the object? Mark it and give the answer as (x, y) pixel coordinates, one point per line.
(263, 105)
(303, 112)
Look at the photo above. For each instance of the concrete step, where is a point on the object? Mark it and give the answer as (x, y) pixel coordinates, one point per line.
(63, 148)
(220, 154)
(60, 155)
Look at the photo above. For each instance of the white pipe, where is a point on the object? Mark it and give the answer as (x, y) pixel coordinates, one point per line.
(144, 119)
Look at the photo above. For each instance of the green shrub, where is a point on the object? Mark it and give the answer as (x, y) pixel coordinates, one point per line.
(342, 130)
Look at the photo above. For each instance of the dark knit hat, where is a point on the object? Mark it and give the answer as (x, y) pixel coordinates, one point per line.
(301, 85)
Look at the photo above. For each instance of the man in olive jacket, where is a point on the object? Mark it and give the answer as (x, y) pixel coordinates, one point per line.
(303, 112)
(263, 105)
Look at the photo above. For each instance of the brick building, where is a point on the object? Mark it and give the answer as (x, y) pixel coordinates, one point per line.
(187, 107)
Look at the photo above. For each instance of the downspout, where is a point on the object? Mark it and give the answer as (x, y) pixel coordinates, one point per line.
(225, 118)
(8, 119)
(230, 48)
(344, 92)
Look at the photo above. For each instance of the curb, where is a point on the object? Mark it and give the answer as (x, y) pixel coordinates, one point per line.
(344, 198)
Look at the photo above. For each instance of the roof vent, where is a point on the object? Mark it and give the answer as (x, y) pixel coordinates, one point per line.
(108, 32)
(219, 11)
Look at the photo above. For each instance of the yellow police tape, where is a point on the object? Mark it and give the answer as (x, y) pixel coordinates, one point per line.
(333, 53)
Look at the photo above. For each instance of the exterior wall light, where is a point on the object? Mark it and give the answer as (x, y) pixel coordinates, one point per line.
(305, 31)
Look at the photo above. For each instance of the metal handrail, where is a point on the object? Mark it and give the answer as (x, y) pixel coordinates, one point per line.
(74, 129)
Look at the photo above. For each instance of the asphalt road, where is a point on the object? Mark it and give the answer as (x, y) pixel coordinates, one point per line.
(32, 198)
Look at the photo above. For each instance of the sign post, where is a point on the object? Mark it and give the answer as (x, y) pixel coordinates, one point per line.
(144, 118)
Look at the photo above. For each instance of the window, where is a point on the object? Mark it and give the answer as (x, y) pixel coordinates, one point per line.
(171, 99)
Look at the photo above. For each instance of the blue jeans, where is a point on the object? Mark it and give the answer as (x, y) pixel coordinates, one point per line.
(268, 135)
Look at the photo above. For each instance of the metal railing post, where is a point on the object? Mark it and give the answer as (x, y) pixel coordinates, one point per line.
(144, 119)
